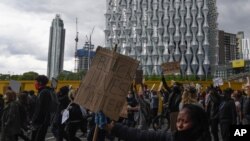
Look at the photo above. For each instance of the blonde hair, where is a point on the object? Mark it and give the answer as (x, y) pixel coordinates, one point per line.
(246, 89)
(72, 94)
(188, 97)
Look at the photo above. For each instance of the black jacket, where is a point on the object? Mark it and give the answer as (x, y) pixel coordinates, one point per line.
(63, 104)
(213, 106)
(227, 112)
(246, 110)
(132, 134)
(42, 114)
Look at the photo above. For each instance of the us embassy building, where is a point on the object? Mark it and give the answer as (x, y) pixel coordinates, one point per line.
(159, 31)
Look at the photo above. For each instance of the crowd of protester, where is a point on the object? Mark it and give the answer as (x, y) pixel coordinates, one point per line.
(192, 113)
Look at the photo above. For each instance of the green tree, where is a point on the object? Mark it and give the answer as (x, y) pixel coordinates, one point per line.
(4, 76)
(68, 75)
(16, 77)
(29, 75)
(61, 76)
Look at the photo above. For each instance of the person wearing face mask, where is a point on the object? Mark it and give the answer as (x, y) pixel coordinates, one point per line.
(41, 117)
(132, 108)
(192, 125)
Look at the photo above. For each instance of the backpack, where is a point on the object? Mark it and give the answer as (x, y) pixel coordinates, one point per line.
(54, 103)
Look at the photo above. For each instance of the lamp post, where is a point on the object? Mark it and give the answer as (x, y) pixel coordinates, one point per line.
(90, 47)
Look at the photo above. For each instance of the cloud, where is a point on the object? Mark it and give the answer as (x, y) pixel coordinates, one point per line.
(21, 63)
(24, 31)
(233, 16)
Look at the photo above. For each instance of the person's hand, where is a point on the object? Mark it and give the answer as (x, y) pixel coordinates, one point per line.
(100, 120)
(129, 107)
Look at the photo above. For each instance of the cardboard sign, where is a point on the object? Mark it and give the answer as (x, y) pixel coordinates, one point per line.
(65, 115)
(15, 85)
(152, 87)
(138, 77)
(124, 112)
(218, 81)
(171, 67)
(229, 84)
(106, 84)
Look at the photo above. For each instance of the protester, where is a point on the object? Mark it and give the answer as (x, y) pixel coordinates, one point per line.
(236, 96)
(246, 107)
(11, 124)
(213, 103)
(201, 99)
(75, 120)
(192, 125)
(58, 128)
(132, 108)
(227, 114)
(143, 116)
(154, 103)
(189, 96)
(41, 117)
(32, 103)
(1, 108)
(24, 116)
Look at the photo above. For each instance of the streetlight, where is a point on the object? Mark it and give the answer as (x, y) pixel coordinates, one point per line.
(90, 47)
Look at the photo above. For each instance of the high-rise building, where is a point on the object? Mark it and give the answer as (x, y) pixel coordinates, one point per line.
(239, 37)
(158, 31)
(85, 56)
(56, 47)
(227, 47)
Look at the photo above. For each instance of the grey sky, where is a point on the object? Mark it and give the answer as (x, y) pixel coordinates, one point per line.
(24, 28)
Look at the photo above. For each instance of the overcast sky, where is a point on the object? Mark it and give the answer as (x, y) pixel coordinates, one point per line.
(24, 29)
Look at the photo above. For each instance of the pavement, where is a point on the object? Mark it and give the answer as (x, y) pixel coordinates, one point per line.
(50, 137)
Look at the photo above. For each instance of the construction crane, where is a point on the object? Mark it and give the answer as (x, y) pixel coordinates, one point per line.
(76, 43)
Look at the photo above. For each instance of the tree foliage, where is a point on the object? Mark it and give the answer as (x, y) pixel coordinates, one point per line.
(29, 75)
(67, 75)
(25, 76)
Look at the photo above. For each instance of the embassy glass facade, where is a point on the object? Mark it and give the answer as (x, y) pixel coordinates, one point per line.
(159, 31)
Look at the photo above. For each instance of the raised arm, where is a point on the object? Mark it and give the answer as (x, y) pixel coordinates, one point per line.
(132, 134)
(164, 83)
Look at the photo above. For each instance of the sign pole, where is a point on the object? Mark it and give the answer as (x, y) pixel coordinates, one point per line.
(95, 133)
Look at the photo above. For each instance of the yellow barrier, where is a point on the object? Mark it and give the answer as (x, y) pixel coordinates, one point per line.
(29, 85)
